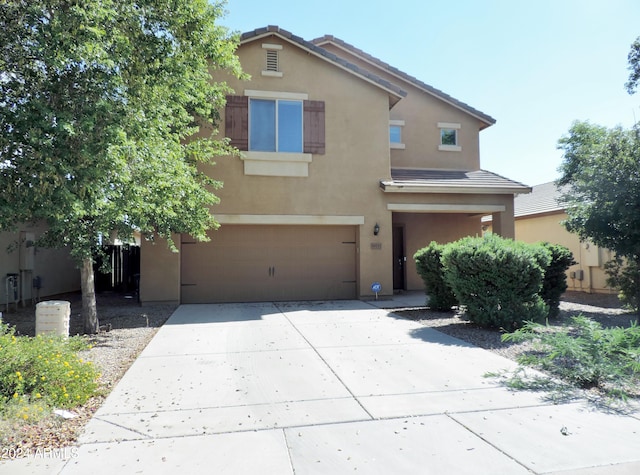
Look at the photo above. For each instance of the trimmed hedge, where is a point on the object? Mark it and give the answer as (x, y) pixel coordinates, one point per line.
(555, 277)
(497, 280)
(429, 266)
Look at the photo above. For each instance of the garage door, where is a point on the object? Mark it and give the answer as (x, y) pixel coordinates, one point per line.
(270, 263)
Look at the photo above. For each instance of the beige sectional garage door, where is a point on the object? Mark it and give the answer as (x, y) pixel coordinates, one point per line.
(270, 263)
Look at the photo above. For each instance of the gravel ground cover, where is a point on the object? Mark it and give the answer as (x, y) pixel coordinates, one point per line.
(604, 308)
(131, 327)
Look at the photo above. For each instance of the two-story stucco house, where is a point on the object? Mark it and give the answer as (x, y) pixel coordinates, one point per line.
(348, 167)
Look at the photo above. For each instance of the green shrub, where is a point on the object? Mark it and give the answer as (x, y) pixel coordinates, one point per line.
(625, 276)
(429, 265)
(497, 280)
(44, 368)
(554, 283)
(585, 354)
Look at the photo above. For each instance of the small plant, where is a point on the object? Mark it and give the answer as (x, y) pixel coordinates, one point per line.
(554, 283)
(429, 266)
(584, 354)
(625, 276)
(44, 368)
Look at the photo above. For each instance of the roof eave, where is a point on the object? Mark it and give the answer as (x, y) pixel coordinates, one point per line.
(408, 187)
(485, 120)
(540, 214)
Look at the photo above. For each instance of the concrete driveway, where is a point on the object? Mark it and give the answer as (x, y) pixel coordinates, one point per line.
(331, 388)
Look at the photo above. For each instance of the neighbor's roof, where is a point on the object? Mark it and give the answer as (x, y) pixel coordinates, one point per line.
(486, 119)
(544, 198)
(450, 181)
(324, 54)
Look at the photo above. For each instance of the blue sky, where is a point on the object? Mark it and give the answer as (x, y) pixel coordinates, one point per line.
(534, 66)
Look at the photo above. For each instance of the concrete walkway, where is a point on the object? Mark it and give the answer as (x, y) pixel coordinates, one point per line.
(331, 388)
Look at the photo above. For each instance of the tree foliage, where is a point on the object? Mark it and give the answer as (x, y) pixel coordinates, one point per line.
(97, 101)
(601, 176)
(429, 266)
(554, 283)
(634, 67)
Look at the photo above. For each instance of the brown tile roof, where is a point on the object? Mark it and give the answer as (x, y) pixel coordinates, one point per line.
(442, 181)
(272, 29)
(544, 198)
(487, 119)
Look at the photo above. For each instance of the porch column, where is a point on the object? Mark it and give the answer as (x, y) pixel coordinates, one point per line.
(504, 224)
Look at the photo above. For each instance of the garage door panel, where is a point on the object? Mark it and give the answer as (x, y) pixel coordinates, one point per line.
(262, 263)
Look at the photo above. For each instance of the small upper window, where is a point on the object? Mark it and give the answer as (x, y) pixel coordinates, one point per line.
(448, 137)
(449, 140)
(395, 134)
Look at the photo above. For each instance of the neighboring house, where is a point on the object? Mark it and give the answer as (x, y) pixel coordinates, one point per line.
(39, 272)
(349, 166)
(538, 217)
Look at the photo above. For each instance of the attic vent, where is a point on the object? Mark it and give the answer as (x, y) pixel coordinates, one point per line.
(273, 63)
(272, 60)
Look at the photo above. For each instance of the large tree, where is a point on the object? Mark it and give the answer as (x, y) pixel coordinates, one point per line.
(601, 173)
(99, 104)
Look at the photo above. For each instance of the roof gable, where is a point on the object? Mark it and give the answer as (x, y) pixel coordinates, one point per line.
(395, 93)
(485, 119)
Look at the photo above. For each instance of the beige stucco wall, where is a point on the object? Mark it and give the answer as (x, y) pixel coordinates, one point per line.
(58, 272)
(343, 181)
(590, 258)
(159, 271)
(422, 112)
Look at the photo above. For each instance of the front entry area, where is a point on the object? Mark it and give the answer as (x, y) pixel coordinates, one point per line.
(254, 263)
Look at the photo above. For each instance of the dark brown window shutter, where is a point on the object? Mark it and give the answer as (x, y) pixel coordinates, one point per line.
(236, 121)
(314, 127)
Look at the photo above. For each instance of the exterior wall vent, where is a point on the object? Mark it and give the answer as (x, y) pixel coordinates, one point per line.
(272, 68)
(272, 60)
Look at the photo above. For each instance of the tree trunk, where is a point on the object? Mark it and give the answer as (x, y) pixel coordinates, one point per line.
(89, 312)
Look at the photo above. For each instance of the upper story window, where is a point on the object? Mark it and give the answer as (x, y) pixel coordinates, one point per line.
(272, 121)
(395, 134)
(449, 141)
(272, 60)
(275, 125)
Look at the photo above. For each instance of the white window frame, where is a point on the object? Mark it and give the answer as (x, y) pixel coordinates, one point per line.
(449, 126)
(397, 145)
